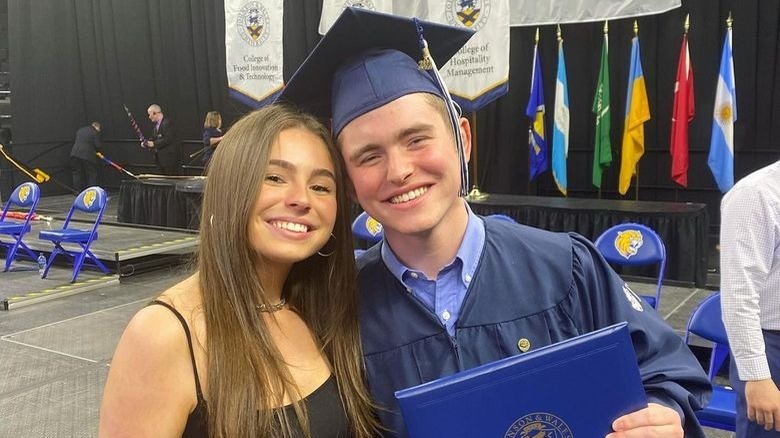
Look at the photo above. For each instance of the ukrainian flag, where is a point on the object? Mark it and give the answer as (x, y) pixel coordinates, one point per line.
(721, 158)
(637, 113)
(537, 145)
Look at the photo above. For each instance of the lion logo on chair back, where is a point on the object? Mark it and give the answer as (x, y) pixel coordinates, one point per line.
(89, 198)
(373, 226)
(24, 192)
(628, 242)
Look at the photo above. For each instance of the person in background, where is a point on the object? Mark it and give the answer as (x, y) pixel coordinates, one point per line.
(164, 142)
(447, 290)
(263, 340)
(212, 135)
(83, 158)
(750, 298)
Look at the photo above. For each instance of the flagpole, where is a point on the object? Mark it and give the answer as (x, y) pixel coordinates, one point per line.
(475, 194)
(636, 170)
(686, 26)
(531, 123)
(598, 115)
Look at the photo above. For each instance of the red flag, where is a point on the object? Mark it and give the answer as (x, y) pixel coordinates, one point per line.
(682, 115)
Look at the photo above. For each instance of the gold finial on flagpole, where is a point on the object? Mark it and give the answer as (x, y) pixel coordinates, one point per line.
(558, 32)
(636, 28)
(536, 38)
(729, 21)
(606, 27)
(687, 22)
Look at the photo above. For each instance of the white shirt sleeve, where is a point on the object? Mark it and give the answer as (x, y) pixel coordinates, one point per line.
(747, 245)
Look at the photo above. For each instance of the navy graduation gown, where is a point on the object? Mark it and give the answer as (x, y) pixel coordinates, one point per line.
(533, 284)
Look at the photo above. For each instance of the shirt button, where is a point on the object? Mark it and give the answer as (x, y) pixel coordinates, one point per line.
(413, 275)
(445, 315)
(468, 278)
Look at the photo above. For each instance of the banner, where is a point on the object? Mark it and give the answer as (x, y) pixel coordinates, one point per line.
(537, 13)
(331, 9)
(637, 113)
(253, 49)
(721, 157)
(602, 149)
(682, 114)
(560, 135)
(479, 73)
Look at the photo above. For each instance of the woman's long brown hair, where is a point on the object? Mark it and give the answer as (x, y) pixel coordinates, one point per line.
(247, 376)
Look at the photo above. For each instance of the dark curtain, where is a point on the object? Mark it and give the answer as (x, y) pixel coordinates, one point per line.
(73, 61)
(77, 60)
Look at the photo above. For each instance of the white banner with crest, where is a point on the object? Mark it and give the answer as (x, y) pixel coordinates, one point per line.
(253, 47)
(479, 73)
(331, 9)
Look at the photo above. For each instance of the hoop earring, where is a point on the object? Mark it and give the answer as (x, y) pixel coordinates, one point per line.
(332, 251)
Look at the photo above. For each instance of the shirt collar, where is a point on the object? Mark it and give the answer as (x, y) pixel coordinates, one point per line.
(468, 253)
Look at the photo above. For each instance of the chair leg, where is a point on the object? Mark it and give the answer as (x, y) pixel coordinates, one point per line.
(719, 354)
(97, 262)
(57, 249)
(77, 262)
(11, 254)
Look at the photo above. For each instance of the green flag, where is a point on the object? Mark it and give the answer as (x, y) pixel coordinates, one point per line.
(602, 151)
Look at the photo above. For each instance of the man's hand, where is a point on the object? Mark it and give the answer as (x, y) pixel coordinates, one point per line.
(763, 403)
(653, 421)
(149, 144)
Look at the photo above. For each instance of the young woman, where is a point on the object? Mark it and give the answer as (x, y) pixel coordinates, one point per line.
(263, 340)
(212, 135)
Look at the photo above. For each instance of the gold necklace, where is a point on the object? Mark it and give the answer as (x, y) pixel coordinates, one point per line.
(271, 308)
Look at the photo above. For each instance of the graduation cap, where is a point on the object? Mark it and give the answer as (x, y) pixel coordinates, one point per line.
(368, 59)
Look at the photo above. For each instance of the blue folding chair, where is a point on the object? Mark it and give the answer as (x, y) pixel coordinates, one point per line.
(705, 322)
(25, 196)
(91, 200)
(367, 228)
(632, 244)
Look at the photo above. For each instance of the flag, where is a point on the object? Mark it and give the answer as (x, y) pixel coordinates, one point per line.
(637, 113)
(602, 150)
(721, 159)
(560, 135)
(682, 114)
(537, 146)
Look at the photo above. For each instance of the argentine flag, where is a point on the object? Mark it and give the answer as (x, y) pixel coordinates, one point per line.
(560, 135)
(721, 159)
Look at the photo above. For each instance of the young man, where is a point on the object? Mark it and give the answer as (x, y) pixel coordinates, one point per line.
(448, 290)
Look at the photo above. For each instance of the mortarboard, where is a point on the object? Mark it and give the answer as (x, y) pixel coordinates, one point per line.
(368, 59)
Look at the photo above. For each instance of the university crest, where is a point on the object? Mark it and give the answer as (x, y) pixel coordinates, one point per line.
(363, 4)
(252, 23)
(470, 13)
(539, 425)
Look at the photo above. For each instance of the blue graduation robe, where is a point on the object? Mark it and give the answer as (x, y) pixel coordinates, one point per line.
(530, 283)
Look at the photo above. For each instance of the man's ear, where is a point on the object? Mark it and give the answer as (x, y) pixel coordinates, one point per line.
(465, 133)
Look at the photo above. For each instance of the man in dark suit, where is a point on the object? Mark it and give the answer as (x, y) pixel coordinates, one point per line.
(83, 161)
(164, 142)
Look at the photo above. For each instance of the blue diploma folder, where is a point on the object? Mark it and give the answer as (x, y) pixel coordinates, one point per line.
(572, 389)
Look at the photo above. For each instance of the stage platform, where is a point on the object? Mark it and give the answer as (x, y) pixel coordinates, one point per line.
(125, 249)
(682, 226)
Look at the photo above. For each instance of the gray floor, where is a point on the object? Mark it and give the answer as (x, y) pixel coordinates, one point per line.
(56, 354)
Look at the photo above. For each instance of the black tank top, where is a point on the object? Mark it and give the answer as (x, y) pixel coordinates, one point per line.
(327, 418)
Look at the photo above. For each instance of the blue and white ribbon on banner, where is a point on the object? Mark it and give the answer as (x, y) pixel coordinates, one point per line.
(253, 47)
